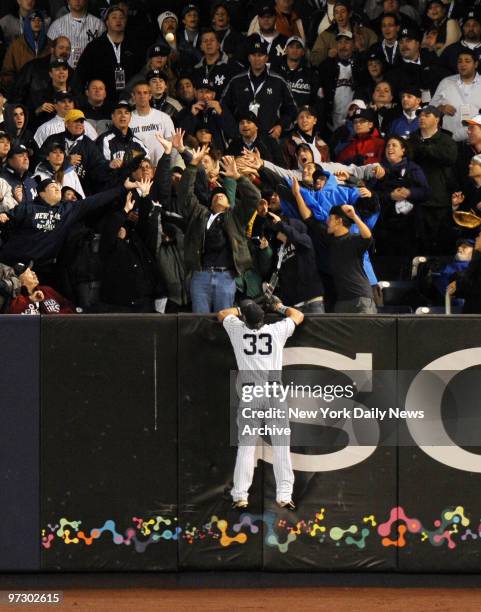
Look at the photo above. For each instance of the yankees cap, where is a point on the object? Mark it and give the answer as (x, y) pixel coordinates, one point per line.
(252, 314)
(157, 74)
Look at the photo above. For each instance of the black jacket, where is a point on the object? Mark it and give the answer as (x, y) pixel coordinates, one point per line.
(219, 74)
(98, 62)
(436, 156)
(426, 75)
(303, 83)
(94, 169)
(277, 106)
(38, 230)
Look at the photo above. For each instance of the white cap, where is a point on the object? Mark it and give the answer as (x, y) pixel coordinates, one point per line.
(476, 120)
(359, 103)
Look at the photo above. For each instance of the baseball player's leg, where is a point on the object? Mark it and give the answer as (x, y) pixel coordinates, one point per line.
(283, 472)
(243, 472)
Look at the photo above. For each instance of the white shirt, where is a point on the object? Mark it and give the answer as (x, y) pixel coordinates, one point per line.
(79, 30)
(466, 99)
(258, 349)
(145, 127)
(57, 125)
(342, 96)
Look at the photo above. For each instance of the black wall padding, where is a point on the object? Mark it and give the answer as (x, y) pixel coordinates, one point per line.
(206, 459)
(443, 502)
(108, 439)
(19, 443)
(331, 529)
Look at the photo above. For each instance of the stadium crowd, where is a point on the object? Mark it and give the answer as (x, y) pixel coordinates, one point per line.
(163, 156)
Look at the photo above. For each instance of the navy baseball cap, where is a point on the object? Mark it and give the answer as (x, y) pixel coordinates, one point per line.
(157, 74)
(247, 116)
(256, 45)
(430, 110)
(363, 113)
(58, 63)
(159, 50)
(266, 9)
(45, 183)
(17, 150)
(252, 314)
(62, 95)
(411, 34)
(122, 104)
(188, 8)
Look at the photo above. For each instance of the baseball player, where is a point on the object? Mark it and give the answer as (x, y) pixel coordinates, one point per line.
(258, 350)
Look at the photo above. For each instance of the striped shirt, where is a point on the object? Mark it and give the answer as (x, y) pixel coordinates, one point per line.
(79, 30)
(258, 349)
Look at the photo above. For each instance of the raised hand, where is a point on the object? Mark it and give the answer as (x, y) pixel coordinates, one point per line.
(296, 190)
(37, 296)
(129, 202)
(199, 154)
(167, 144)
(349, 211)
(4, 218)
(364, 192)
(229, 167)
(178, 140)
(252, 158)
(145, 186)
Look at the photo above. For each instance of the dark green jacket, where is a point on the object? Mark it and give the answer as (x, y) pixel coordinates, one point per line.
(437, 157)
(235, 223)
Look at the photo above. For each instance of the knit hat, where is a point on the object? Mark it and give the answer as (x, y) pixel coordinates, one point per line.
(166, 15)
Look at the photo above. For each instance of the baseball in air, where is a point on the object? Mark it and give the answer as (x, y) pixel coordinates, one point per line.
(169, 37)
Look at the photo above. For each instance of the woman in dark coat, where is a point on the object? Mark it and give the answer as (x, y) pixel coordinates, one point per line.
(403, 188)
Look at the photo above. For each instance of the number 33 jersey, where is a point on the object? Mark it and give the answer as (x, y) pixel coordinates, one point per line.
(258, 349)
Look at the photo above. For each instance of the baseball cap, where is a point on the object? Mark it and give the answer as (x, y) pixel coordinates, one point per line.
(476, 120)
(266, 8)
(202, 82)
(74, 115)
(345, 34)
(247, 116)
(159, 50)
(363, 113)
(54, 145)
(157, 74)
(17, 150)
(256, 45)
(188, 8)
(359, 103)
(296, 39)
(476, 15)
(412, 90)
(5, 135)
(376, 57)
(217, 191)
(252, 314)
(122, 104)
(45, 183)
(59, 96)
(468, 241)
(411, 34)
(306, 109)
(58, 63)
(430, 110)
(36, 13)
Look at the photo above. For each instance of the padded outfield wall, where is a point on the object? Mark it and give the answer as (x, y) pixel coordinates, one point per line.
(115, 451)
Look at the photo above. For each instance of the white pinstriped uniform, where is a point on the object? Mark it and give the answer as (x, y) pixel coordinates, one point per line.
(79, 31)
(260, 350)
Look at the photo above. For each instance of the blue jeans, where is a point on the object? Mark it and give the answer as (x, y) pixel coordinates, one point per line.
(212, 291)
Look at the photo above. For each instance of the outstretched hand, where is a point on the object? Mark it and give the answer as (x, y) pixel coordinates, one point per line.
(129, 202)
(178, 140)
(167, 144)
(296, 190)
(252, 158)
(229, 167)
(199, 154)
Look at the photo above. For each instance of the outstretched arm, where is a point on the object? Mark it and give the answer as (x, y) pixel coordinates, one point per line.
(222, 314)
